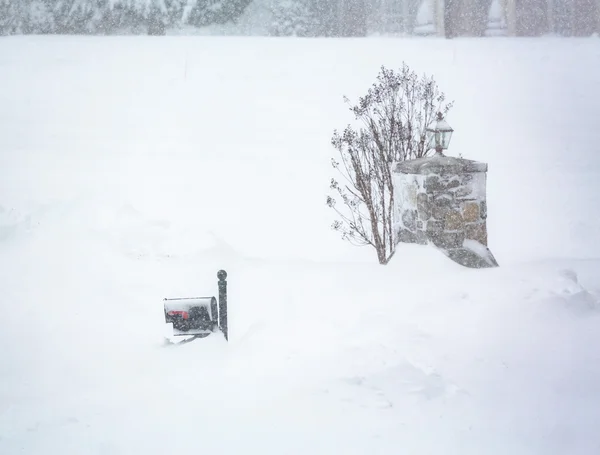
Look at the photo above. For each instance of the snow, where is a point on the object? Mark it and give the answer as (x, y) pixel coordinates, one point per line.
(406, 187)
(496, 25)
(478, 186)
(480, 250)
(135, 168)
(425, 20)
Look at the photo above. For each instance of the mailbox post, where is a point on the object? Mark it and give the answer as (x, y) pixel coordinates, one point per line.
(222, 276)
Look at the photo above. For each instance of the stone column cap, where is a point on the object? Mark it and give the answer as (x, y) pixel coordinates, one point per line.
(440, 164)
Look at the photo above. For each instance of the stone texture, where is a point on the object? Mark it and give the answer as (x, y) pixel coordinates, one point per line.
(463, 191)
(440, 212)
(453, 184)
(477, 232)
(454, 221)
(471, 212)
(423, 206)
(483, 213)
(424, 216)
(409, 219)
(467, 178)
(406, 236)
(468, 258)
(448, 240)
(433, 184)
(441, 165)
(435, 226)
(441, 206)
(443, 199)
(421, 238)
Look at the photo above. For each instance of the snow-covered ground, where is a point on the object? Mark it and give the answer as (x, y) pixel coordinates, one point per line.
(134, 168)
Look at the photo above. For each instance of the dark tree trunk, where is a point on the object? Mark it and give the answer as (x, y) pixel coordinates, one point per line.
(466, 17)
(452, 15)
(584, 17)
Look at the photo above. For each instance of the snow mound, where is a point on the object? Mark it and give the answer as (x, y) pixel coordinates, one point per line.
(141, 167)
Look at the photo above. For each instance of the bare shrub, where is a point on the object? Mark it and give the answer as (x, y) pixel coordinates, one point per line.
(392, 118)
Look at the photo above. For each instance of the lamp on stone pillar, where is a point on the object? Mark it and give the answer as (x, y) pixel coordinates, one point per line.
(439, 135)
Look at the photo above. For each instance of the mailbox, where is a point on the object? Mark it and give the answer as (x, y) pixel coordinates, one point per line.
(198, 317)
(192, 316)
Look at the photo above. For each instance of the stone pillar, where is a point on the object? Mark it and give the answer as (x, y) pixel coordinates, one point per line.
(442, 200)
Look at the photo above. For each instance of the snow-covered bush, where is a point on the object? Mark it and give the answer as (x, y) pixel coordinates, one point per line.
(206, 12)
(39, 17)
(292, 18)
(13, 17)
(82, 16)
(392, 118)
(110, 16)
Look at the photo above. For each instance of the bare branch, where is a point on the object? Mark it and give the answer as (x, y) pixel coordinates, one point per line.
(392, 119)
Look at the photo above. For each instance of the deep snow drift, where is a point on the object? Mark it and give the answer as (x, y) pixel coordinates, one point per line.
(132, 169)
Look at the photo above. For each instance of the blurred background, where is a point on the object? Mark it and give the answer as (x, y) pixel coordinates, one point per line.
(303, 18)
